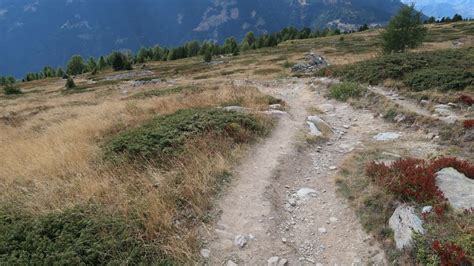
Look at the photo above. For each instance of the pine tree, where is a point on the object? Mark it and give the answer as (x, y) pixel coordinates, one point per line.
(91, 64)
(102, 63)
(249, 39)
(75, 65)
(231, 46)
(59, 72)
(207, 56)
(405, 30)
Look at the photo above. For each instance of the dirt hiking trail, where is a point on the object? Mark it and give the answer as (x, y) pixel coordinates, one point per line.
(283, 202)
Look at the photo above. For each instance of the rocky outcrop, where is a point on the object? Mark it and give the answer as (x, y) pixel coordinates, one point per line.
(404, 223)
(457, 188)
(312, 62)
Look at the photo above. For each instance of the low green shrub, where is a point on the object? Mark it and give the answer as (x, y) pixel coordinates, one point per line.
(70, 83)
(444, 78)
(11, 90)
(345, 90)
(78, 236)
(450, 69)
(163, 137)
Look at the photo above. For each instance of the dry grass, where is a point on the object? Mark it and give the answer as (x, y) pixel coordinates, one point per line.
(62, 164)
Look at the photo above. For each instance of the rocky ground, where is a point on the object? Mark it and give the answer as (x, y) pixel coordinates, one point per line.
(283, 206)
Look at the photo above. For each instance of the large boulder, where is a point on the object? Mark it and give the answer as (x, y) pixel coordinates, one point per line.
(457, 188)
(404, 222)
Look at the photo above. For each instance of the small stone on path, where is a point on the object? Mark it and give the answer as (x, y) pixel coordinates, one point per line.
(231, 263)
(305, 192)
(205, 252)
(387, 136)
(240, 241)
(273, 261)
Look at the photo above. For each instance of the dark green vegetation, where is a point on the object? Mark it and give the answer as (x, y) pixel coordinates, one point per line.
(404, 31)
(11, 90)
(345, 90)
(120, 61)
(70, 83)
(451, 69)
(163, 137)
(78, 236)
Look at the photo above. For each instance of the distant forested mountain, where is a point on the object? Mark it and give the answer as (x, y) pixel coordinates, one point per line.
(35, 33)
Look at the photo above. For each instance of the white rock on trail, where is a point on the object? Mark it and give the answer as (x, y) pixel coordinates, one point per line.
(327, 107)
(205, 253)
(322, 230)
(443, 110)
(317, 120)
(313, 130)
(273, 261)
(451, 119)
(283, 262)
(458, 188)
(240, 241)
(276, 106)
(404, 222)
(304, 193)
(387, 136)
(231, 263)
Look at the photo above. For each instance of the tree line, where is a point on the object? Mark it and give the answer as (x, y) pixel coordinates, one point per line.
(455, 18)
(123, 60)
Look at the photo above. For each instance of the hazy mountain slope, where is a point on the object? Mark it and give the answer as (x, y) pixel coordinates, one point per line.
(443, 8)
(39, 32)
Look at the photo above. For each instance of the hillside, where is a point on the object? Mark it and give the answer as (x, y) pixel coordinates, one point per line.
(50, 32)
(243, 161)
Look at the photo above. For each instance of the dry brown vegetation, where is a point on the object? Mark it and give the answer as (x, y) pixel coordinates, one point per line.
(53, 160)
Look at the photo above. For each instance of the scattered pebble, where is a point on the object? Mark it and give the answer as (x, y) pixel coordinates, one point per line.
(322, 230)
(205, 252)
(426, 209)
(240, 241)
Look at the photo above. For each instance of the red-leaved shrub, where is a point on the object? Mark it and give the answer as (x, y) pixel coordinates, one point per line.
(462, 166)
(408, 179)
(450, 254)
(415, 179)
(466, 99)
(468, 123)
